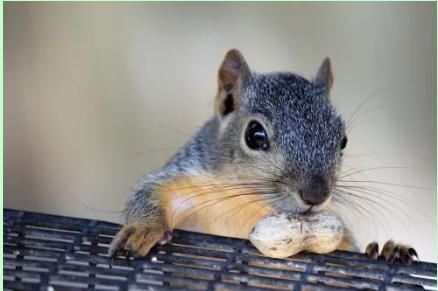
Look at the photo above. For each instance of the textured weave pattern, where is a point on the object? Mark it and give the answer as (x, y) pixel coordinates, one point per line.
(46, 252)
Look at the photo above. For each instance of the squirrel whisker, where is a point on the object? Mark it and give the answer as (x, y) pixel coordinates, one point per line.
(364, 206)
(217, 200)
(367, 170)
(366, 100)
(275, 197)
(214, 183)
(270, 203)
(222, 189)
(376, 192)
(386, 206)
(383, 183)
(348, 126)
(358, 210)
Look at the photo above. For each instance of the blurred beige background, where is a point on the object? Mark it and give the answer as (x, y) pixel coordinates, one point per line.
(96, 95)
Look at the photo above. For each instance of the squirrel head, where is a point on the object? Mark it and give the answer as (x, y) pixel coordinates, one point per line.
(280, 128)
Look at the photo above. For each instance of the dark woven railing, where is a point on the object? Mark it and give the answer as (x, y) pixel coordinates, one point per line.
(47, 252)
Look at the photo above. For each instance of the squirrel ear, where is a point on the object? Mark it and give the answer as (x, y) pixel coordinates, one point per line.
(325, 75)
(233, 75)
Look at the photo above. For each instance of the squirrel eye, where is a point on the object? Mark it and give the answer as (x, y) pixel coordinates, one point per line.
(256, 137)
(344, 142)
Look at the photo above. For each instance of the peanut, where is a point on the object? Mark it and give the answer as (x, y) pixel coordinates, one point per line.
(282, 235)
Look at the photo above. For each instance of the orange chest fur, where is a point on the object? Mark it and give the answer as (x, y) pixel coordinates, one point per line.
(210, 206)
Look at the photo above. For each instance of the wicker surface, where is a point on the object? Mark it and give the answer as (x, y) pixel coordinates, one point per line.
(46, 252)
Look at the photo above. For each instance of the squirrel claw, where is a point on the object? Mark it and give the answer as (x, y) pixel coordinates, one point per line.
(167, 237)
(128, 251)
(113, 256)
(136, 239)
(392, 252)
(413, 253)
(372, 250)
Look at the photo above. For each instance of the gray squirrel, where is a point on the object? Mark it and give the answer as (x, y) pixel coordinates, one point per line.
(275, 142)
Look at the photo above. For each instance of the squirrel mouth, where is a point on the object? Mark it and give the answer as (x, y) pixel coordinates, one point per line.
(309, 210)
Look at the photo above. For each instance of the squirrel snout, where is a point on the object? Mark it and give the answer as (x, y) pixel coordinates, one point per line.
(315, 192)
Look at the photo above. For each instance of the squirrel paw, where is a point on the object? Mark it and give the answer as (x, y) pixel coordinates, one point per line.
(136, 239)
(392, 252)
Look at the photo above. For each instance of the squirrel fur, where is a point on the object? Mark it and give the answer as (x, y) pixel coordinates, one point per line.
(218, 184)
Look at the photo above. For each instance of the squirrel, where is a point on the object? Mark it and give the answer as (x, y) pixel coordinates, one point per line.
(275, 142)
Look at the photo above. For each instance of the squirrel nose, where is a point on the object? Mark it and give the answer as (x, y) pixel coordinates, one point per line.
(316, 192)
(311, 199)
